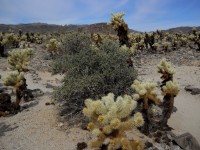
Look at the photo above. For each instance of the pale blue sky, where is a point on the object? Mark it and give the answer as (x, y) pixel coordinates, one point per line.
(141, 15)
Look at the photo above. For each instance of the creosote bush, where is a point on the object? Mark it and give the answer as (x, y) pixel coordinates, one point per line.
(90, 71)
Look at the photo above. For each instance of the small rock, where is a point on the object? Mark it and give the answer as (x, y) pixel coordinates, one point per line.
(49, 103)
(49, 86)
(37, 92)
(148, 145)
(60, 124)
(188, 88)
(81, 146)
(194, 91)
(174, 147)
(187, 142)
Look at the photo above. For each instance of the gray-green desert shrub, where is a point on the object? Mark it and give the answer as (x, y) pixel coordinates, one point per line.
(90, 71)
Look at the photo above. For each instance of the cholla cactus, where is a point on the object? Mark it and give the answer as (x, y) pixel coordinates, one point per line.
(166, 45)
(183, 41)
(19, 59)
(167, 71)
(169, 90)
(17, 80)
(14, 79)
(53, 46)
(155, 46)
(145, 95)
(110, 119)
(10, 40)
(117, 21)
(96, 38)
(121, 27)
(145, 92)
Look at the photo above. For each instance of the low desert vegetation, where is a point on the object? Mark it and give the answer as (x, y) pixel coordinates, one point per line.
(91, 71)
(100, 83)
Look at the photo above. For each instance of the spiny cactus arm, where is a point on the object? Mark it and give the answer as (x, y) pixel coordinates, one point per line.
(117, 21)
(19, 59)
(170, 88)
(167, 71)
(14, 78)
(146, 92)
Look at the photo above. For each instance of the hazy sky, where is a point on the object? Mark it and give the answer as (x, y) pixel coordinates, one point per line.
(142, 15)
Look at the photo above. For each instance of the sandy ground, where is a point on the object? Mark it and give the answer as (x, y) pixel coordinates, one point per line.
(186, 119)
(37, 127)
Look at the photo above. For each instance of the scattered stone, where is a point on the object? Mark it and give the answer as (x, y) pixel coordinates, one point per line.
(187, 142)
(60, 124)
(174, 109)
(194, 91)
(188, 88)
(174, 147)
(50, 86)
(148, 145)
(81, 146)
(37, 92)
(49, 103)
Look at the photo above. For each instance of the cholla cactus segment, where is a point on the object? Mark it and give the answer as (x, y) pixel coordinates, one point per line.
(110, 118)
(132, 49)
(145, 91)
(15, 79)
(19, 59)
(54, 46)
(164, 67)
(117, 21)
(170, 88)
(155, 46)
(138, 119)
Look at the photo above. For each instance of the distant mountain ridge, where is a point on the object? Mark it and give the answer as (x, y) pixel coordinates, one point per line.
(91, 28)
(185, 29)
(44, 27)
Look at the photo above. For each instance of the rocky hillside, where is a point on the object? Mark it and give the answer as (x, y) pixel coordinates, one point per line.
(43, 28)
(182, 29)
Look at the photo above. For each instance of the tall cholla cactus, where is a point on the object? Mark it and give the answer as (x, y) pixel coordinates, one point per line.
(110, 119)
(166, 70)
(18, 81)
(169, 89)
(145, 95)
(53, 47)
(19, 59)
(121, 27)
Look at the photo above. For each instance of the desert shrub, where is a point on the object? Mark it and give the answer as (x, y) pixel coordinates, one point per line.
(90, 71)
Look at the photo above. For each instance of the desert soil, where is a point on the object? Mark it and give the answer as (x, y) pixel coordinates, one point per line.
(37, 126)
